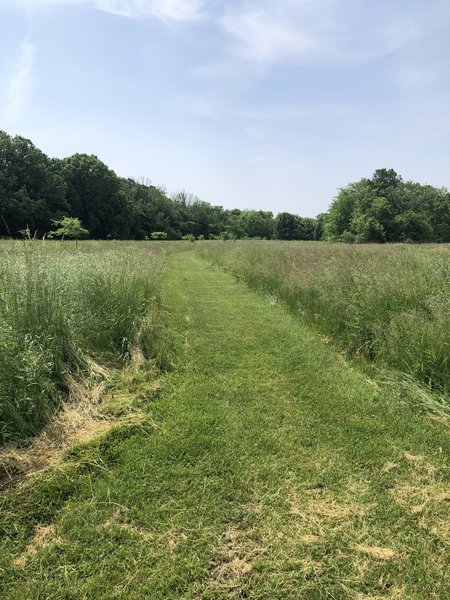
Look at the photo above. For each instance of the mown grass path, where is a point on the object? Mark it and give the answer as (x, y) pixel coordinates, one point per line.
(273, 470)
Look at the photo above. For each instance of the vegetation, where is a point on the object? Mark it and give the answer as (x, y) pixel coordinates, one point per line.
(36, 190)
(266, 463)
(70, 228)
(267, 467)
(61, 309)
(388, 303)
(387, 209)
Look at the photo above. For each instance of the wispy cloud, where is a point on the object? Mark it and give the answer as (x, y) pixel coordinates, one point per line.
(261, 38)
(328, 31)
(20, 83)
(165, 10)
(257, 159)
(177, 10)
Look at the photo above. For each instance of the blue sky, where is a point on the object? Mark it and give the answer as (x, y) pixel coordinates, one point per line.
(247, 103)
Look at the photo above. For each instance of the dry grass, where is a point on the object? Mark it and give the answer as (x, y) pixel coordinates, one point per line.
(237, 554)
(78, 421)
(44, 537)
(376, 552)
(425, 494)
(90, 412)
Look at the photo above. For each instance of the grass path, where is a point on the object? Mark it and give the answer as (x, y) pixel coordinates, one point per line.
(271, 469)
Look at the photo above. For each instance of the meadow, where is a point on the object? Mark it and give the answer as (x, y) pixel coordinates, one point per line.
(68, 310)
(387, 303)
(246, 440)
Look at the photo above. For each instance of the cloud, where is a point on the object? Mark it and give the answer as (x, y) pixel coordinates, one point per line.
(261, 38)
(329, 32)
(20, 83)
(165, 10)
(253, 161)
(177, 10)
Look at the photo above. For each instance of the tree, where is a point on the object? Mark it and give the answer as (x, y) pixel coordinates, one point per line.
(387, 209)
(306, 228)
(286, 226)
(69, 227)
(31, 193)
(95, 195)
(338, 218)
(158, 235)
(256, 224)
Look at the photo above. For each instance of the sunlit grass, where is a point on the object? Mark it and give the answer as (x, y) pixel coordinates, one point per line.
(388, 303)
(62, 306)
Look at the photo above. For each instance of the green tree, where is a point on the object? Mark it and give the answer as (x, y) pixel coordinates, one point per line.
(286, 226)
(69, 227)
(95, 196)
(31, 194)
(340, 214)
(158, 235)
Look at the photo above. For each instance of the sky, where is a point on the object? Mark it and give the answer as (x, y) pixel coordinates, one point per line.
(263, 104)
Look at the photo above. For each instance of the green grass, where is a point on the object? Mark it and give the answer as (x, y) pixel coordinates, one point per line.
(389, 303)
(268, 467)
(63, 306)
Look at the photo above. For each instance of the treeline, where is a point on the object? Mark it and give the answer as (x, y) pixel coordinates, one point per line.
(36, 191)
(388, 209)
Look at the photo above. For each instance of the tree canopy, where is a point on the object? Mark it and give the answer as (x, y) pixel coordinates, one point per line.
(388, 209)
(36, 191)
(69, 227)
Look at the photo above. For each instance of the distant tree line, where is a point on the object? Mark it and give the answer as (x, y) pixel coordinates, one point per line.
(388, 209)
(37, 191)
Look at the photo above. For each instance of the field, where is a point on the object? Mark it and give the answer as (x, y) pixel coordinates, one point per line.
(271, 420)
(67, 313)
(387, 303)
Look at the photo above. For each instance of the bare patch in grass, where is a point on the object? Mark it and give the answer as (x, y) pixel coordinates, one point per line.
(118, 521)
(322, 510)
(389, 466)
(436, 417)
(310, 539)
(413, 457)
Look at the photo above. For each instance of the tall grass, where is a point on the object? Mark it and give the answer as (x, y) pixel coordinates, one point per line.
(388, 303)
(62, 308)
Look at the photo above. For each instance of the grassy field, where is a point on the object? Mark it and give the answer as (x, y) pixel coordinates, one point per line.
(388, 303)
(265, 465)
(65, 312)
